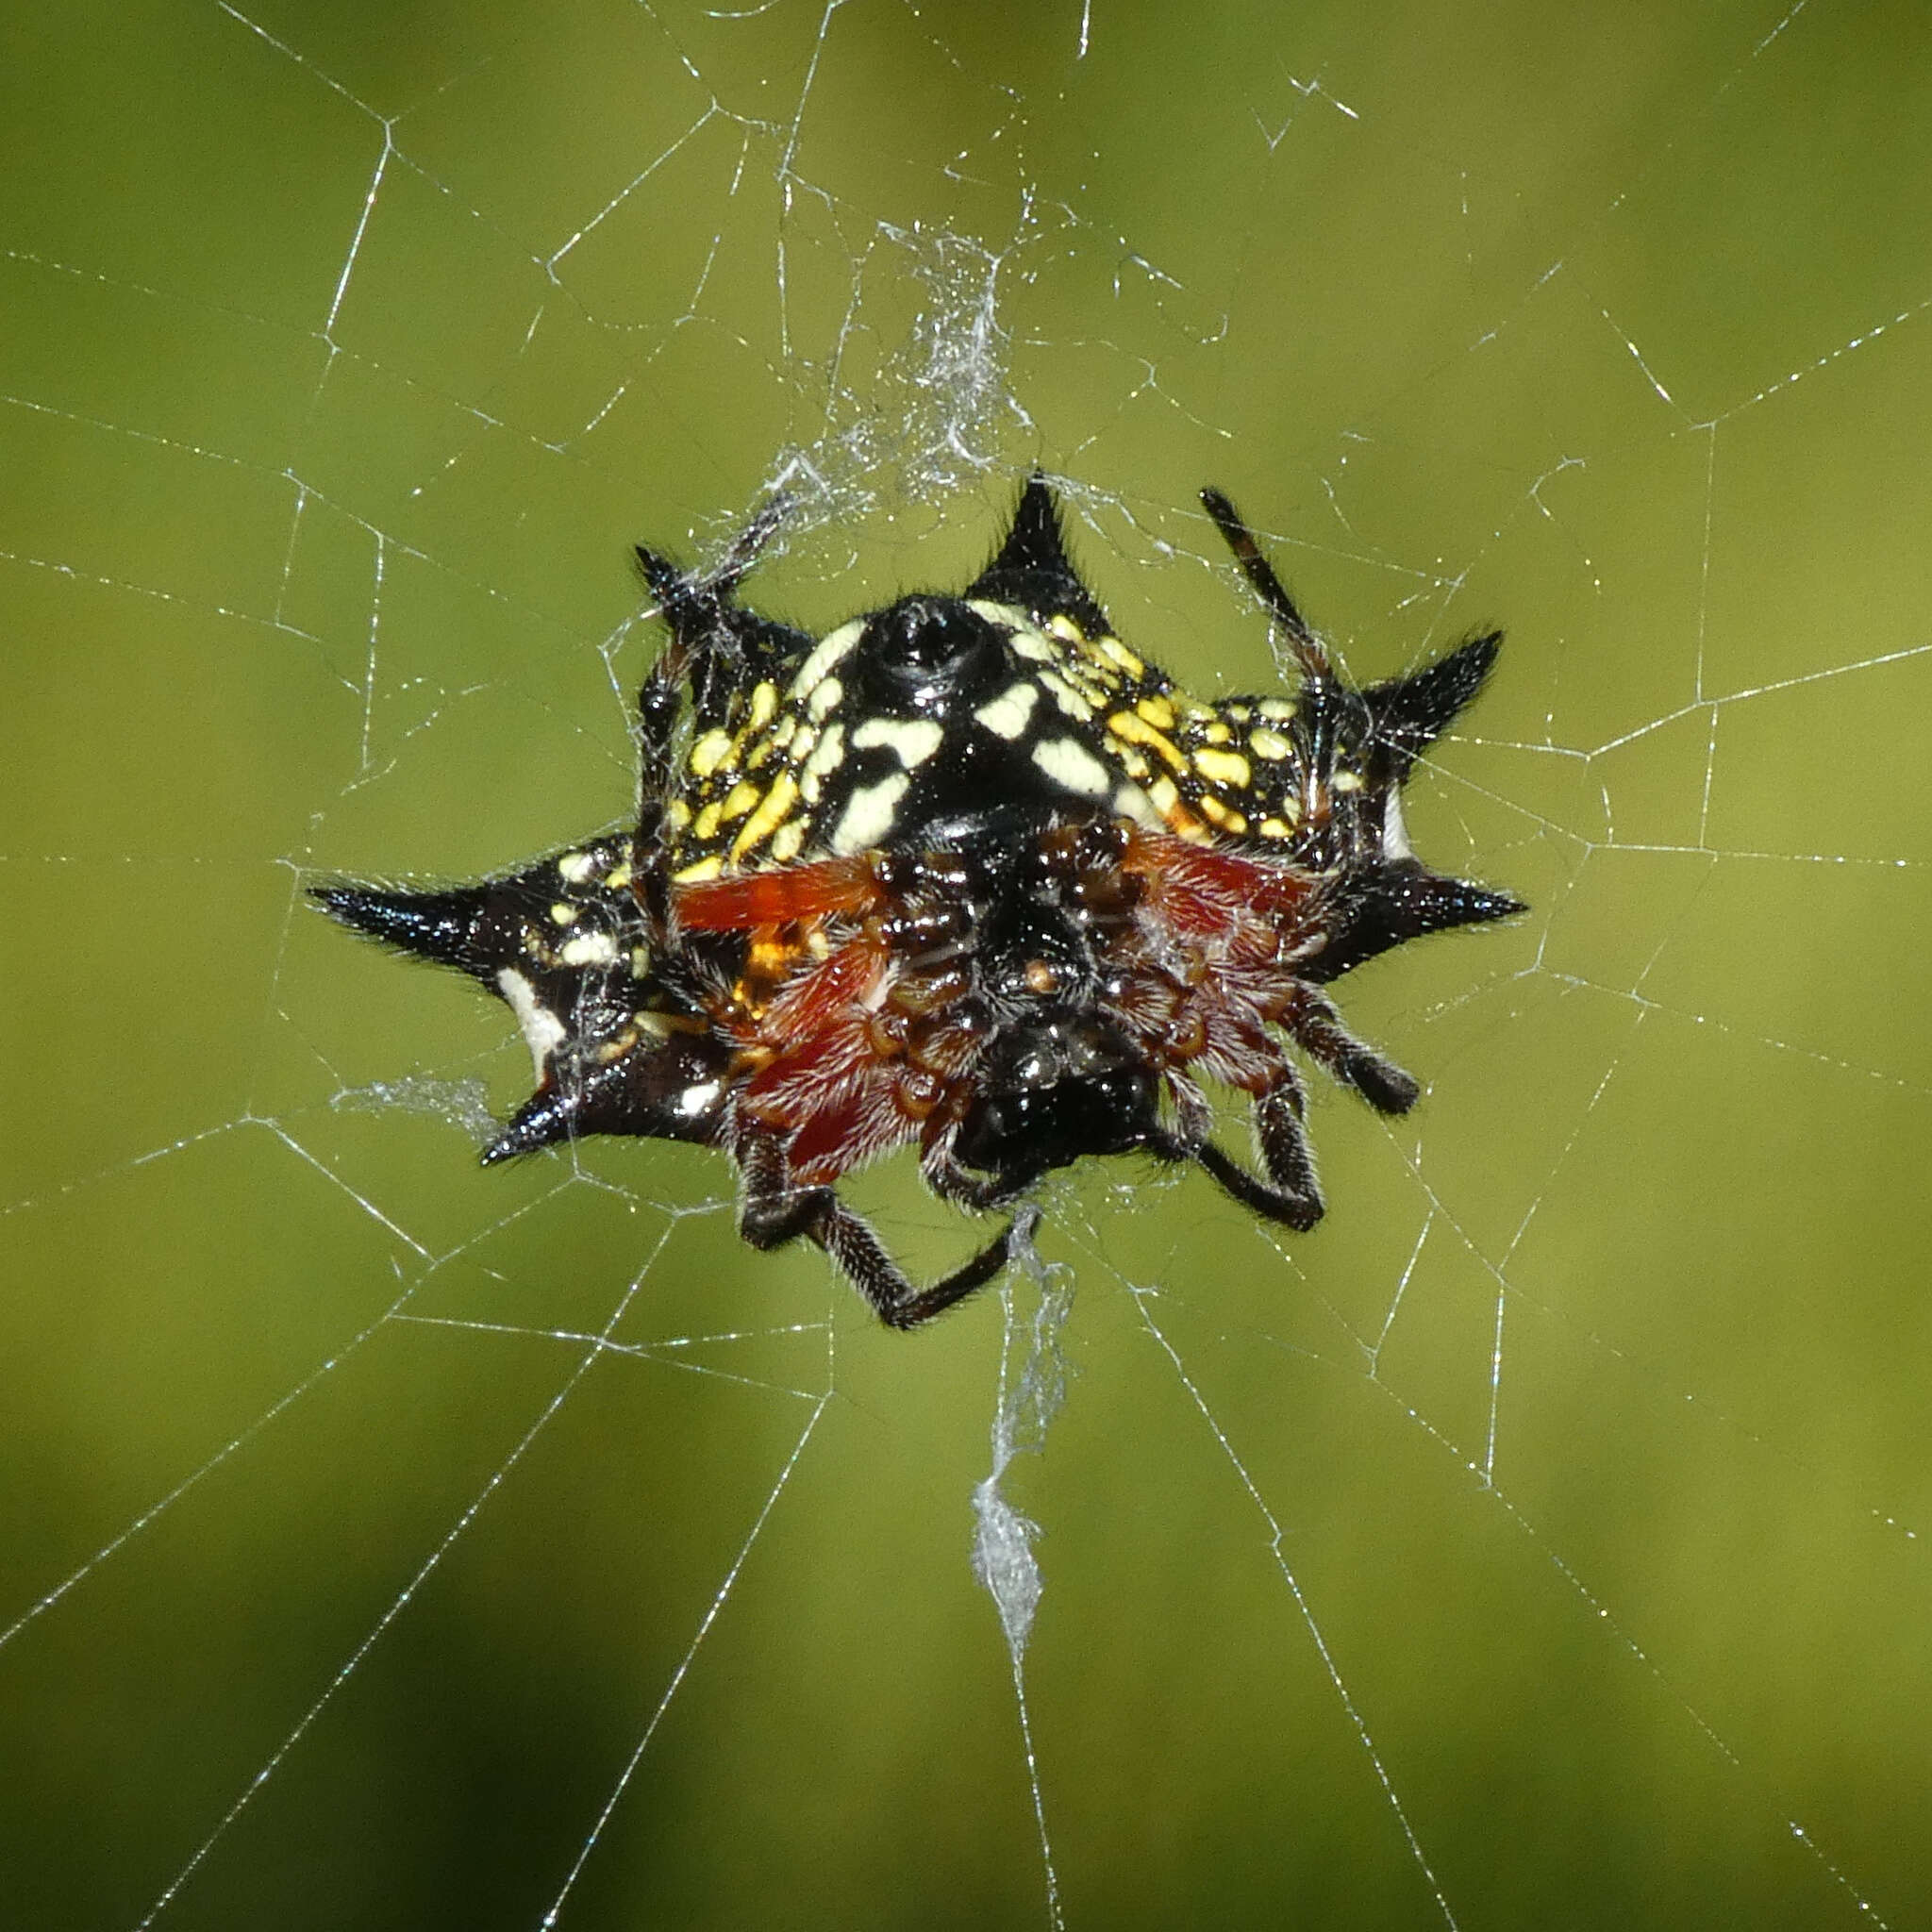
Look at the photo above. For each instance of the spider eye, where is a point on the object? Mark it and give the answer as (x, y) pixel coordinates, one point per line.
(930, 649)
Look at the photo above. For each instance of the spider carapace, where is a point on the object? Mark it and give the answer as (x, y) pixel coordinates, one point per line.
(969, 873)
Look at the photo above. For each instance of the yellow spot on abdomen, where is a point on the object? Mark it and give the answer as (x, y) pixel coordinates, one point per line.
(771, 813)
(1224, 768)
(1132, 726)
(709, 752)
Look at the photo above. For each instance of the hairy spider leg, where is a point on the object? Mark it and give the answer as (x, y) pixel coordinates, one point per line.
(775, 1210)
(952, 1180)
(1290, 1195)
(1285, 1150)
(1314, 1025)
(819, 1025)
(1297, 1208)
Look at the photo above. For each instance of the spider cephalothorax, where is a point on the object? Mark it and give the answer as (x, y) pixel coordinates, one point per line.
(965, 872)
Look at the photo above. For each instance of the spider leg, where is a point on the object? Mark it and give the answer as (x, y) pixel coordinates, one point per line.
(1194, 1121)
(1316, 1027)
(1296, 1211)
(1290, 1194)
(849, 1240)
(1284, 1143)
(1268, 587)
(952, 1180)
(776, 1211)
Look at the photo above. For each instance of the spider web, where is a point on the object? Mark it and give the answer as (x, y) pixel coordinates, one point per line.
(388, 1543)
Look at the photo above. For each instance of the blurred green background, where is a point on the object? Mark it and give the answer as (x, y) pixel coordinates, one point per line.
(1536, 1544)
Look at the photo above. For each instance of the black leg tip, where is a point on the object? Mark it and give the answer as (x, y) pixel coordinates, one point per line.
(1386, 1088)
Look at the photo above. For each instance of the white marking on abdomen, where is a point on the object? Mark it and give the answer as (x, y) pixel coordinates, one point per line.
(911, 741)
(1068, 762)
(1006, 716)
(868, 815)
(1395, 833)
(826, 653)
(542, 1030)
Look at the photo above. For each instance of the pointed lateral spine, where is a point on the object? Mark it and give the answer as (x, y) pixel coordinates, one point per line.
(443, 927)
(1411, 713)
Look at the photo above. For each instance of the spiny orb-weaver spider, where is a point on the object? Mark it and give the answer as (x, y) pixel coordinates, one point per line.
(968, 872)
